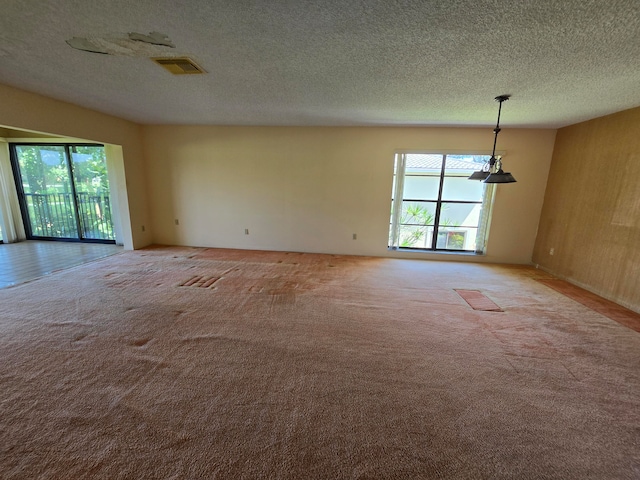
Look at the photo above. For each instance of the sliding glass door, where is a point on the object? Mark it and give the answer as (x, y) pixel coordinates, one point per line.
(64, 191)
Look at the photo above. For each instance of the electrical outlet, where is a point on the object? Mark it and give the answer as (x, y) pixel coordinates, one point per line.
(176, 221)
(143, 228)
(552, 251)
(355, 236)
(246, 231)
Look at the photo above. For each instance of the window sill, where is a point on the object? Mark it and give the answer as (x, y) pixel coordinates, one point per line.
(436, 252)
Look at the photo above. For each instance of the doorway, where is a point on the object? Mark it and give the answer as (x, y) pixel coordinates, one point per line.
(63, 191)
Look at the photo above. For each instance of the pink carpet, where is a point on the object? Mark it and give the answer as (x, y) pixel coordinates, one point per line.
(609, 309)
(186, 363)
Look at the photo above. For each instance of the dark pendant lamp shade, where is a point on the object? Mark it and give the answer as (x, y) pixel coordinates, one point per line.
(500, 177)
(492, 171)
(479, 175)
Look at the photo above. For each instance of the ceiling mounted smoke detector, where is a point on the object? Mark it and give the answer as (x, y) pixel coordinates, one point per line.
(180, 65)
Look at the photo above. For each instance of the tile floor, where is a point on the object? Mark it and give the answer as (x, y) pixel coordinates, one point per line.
(24, 261)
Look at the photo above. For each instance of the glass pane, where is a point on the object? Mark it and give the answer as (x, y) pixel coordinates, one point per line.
(424, 163)
(460, 214)
(464, 164)
(422, 176)
(421, 188)
(413, 236)
(461, 188)
(92, 189)
(451, 238)
(418, 213)
(456, 184)
(47, 190)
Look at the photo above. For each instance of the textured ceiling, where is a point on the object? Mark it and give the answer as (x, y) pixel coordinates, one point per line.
(332, 62)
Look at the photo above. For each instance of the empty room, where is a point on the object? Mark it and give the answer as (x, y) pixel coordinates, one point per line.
(341, 239)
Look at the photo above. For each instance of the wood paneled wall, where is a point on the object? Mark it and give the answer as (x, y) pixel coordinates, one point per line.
(589, 230)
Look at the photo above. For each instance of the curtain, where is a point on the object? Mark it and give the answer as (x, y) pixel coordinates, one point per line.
(10, 216)
(398, 191)
(485, 218)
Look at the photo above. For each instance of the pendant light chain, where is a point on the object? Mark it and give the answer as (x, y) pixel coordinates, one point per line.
(492, 171)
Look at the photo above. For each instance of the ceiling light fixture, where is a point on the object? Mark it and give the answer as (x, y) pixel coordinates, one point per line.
(492, 170)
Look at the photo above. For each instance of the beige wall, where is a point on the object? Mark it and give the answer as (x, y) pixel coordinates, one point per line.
(28, 111)
(300, 189)
(309, 189)
(591, 214)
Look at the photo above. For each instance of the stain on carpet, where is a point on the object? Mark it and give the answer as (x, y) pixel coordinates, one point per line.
(478, 301)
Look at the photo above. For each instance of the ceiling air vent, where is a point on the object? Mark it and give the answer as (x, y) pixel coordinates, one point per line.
(179, 66)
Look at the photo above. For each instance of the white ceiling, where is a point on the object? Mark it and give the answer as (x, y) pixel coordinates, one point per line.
(332, 62)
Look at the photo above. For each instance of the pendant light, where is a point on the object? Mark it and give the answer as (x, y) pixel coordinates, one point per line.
(491, 171)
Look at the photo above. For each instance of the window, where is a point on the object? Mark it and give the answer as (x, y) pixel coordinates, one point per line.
(435, 207)
(63, 191)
